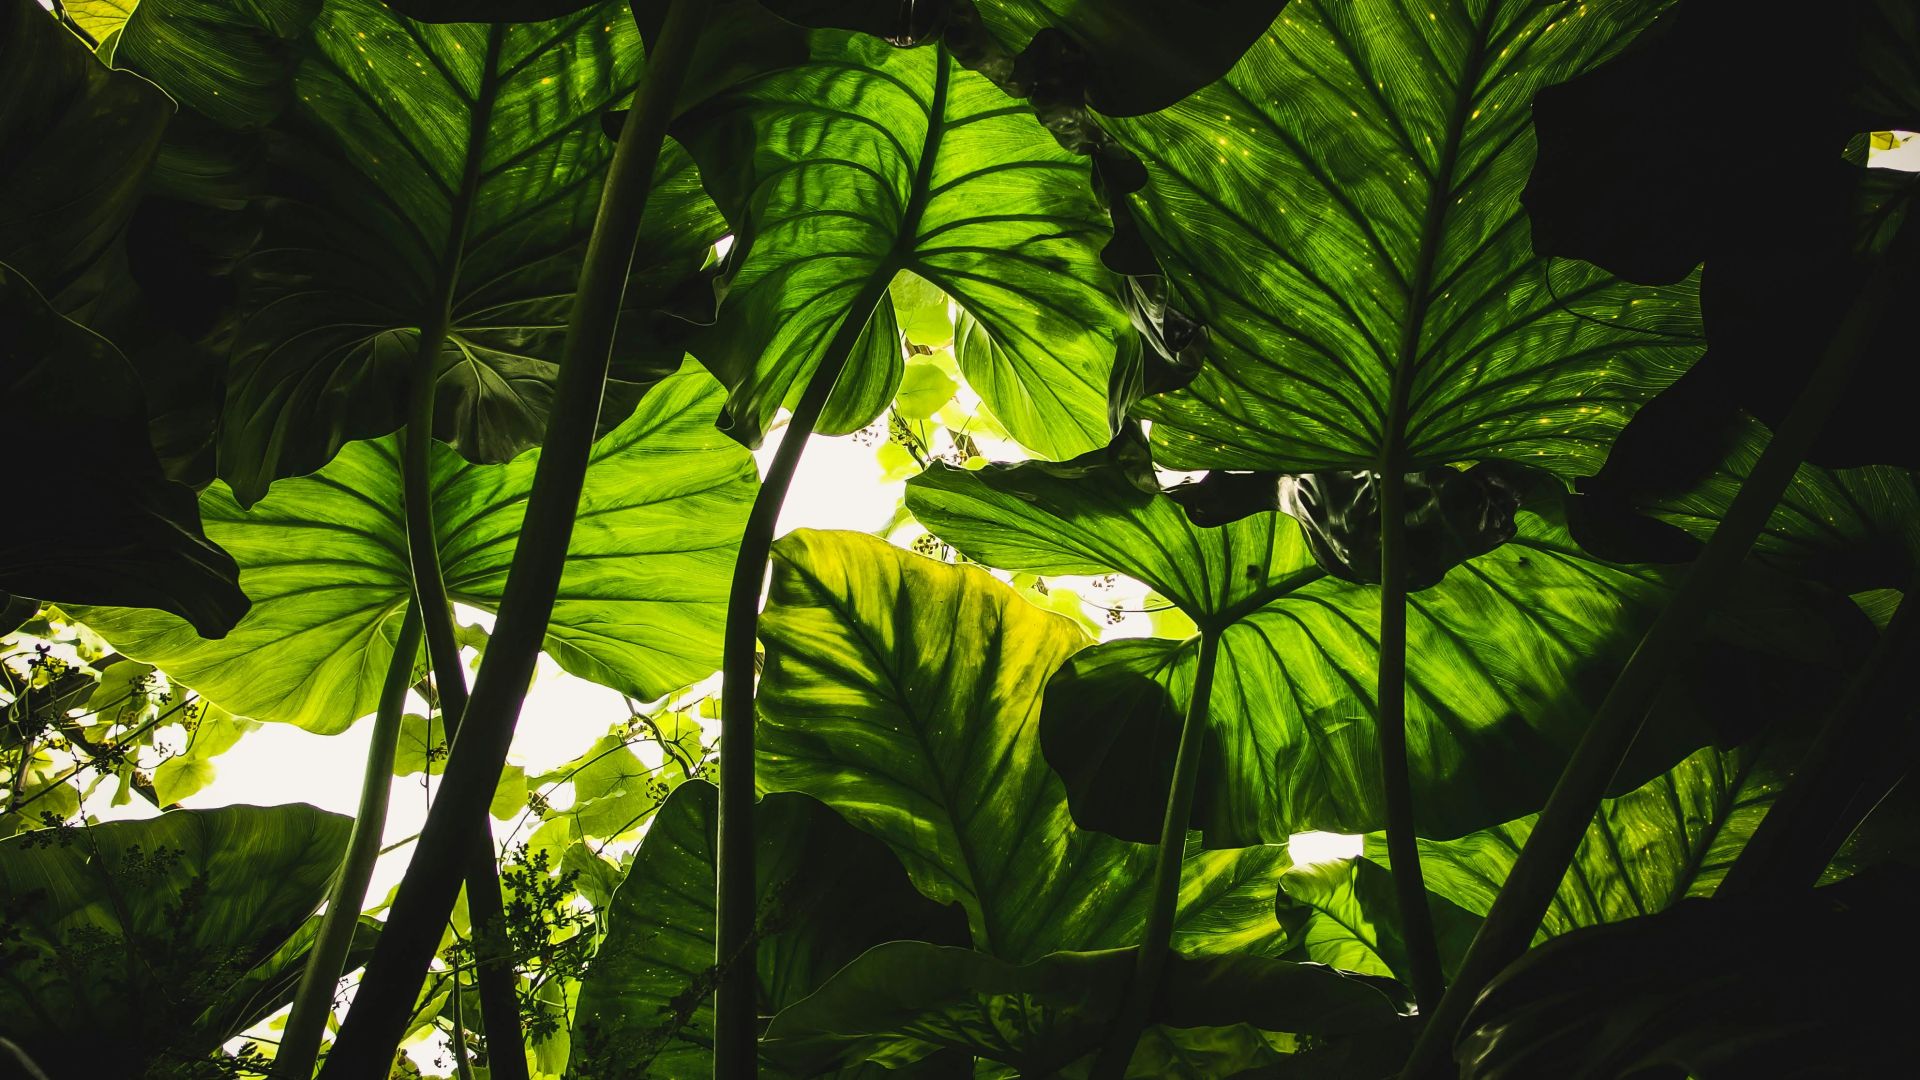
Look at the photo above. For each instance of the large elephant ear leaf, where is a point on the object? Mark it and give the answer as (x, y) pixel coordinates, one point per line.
(867, 161)
(827, 892)
(415, 176)
(1507, 657)
(137, 927)
(1364, 160)
(111, 529)
(78, 138)
(324, 557)
(905, 693)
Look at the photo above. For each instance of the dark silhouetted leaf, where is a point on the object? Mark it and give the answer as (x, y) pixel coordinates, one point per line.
(904, 1001)
(409, 169)
(107, 527)
(1704, 990)
(827, 892)
(136, 927)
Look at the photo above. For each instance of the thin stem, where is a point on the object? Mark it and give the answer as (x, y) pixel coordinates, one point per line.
(457, 1038)
(1861, 752)
(736, 1019)
(378, 1019)
(1396, 781)
(1156, 942)
(313, 1001)
(1549, 849)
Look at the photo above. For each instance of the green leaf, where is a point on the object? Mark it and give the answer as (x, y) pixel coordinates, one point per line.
(510, 794)
(325, 557)
(412, 169)
(1507, 658)
(422, 746)
(869, 160)
(78, 138)
(214, 731)
(1341, 212)
(905, 693)
(136, 927)
(99, 18)
(906, 1000)
(922, 311)
(923, 390)
(827, 892)
(1673, 837)
(1342, 914)
(123, 533)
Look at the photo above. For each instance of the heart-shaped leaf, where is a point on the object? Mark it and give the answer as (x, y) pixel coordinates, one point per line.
(905, 693)
(413, 176)
(1507, 657)
(136, 927)
(1341, 213)
(868, 161)
(325, 558)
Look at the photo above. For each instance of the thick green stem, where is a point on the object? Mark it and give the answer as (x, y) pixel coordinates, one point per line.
(1396, 780)
(378, 1019)
(495, 977)
(736, 1029)
(313, 1001)
(1543, 862)
(1156, 942)
(1862, 751)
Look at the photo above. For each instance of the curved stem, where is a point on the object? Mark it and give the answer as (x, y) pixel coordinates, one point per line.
(1156, 943)
(378, 1019)
(495, 978)
(1396, 781)
(736, 1016)
(1549, 849)
(313, 1001)
(1861, 752)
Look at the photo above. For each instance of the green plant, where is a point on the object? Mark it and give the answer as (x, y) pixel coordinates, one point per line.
(1547, 520)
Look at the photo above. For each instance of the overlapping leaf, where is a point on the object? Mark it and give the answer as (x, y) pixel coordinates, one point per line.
(108, 527)
(1507, 657)
(826, 893)
(410, 170)
(906, 694)
(78, 138)
(325, 559)
(136, 927)
(867, 161)
(1341, 212)
(900, 1003)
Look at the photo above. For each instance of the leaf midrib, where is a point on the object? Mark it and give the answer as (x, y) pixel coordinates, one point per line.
(1393, 450)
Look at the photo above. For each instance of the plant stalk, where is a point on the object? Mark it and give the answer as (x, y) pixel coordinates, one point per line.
(494, 977)
(736, 1015)
(313, 1001)
(1156, 943)
(1396, 781)
(1549, 849)
(377, 1021)
(1861, 752)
